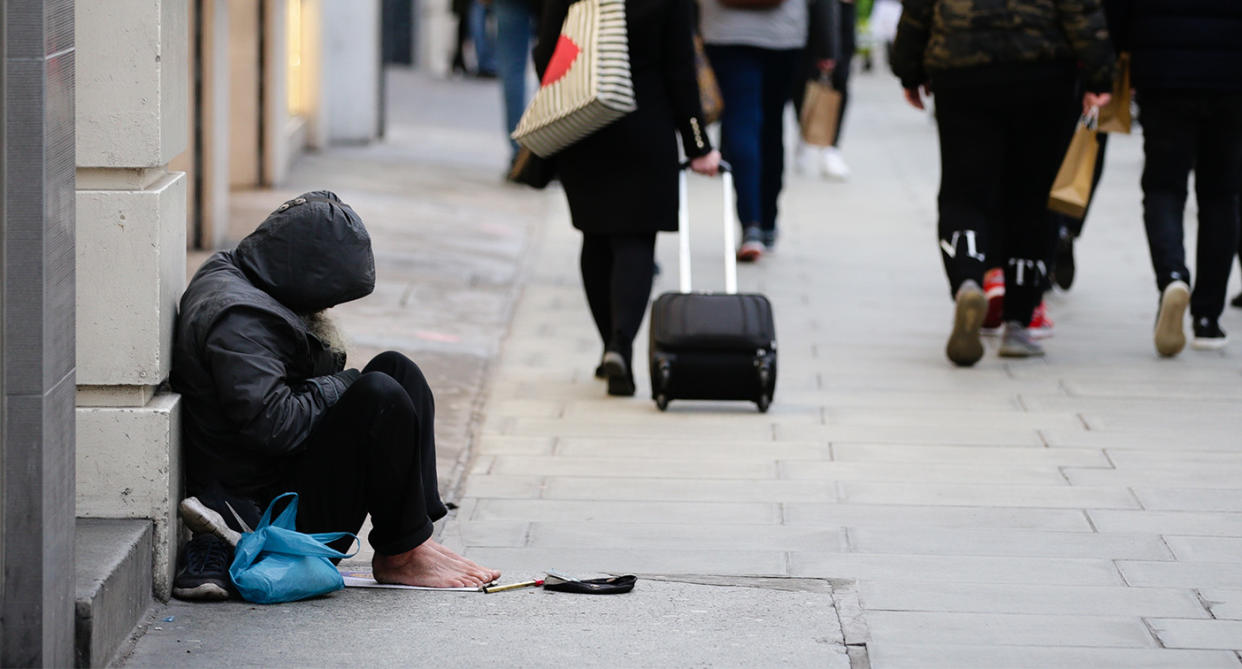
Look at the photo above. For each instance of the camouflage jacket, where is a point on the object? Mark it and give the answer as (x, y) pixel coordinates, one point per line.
(944, 35)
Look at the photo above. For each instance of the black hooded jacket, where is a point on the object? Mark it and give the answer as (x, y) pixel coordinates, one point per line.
(254, 378)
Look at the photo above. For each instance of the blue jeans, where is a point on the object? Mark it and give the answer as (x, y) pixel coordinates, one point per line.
(515, 26)
(484, 45)
(755, 84)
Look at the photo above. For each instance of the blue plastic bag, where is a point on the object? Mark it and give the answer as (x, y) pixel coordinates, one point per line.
(276, 563)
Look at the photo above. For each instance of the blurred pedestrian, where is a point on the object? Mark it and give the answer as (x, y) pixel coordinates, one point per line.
(837, 31)
(483, 38)
(756, 54)
(621, 182)
(1002, 78)
(515, 28)
(1187, 77)
(461, 10)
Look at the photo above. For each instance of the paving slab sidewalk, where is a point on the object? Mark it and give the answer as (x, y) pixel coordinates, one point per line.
(1080, 510)
(1072, 511)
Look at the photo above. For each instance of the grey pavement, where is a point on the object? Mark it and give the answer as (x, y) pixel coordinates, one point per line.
(1080, 510)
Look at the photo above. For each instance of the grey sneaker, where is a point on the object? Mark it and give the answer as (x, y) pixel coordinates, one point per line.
(1170, 332)
(1017, 342)
(965, 347)
(203, 519)
(752, 245)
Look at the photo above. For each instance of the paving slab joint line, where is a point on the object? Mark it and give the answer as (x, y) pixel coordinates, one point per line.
(1152, 631)
(1207, 606)
(844, 593)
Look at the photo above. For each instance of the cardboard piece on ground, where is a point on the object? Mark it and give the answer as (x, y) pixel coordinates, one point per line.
(364, 579)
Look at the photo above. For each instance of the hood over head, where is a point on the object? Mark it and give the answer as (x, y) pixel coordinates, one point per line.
(310, 254)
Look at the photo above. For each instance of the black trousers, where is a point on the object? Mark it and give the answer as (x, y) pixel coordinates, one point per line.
(1000, 147)
(1200, 131)
(373, 452)
(617, 272)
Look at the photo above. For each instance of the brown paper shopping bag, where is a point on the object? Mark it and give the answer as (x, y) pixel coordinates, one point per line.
(709, 89)
(1115, 116)
(1072, 188)
(821, 108)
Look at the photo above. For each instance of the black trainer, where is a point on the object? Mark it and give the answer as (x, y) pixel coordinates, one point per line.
(203, 570)
(1236, 301)
(1208, 335)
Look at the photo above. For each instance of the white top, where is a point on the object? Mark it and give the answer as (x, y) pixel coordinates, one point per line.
(783, 27)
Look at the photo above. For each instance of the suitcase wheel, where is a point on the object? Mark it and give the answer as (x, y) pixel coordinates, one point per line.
(662, 402)
(764, 402)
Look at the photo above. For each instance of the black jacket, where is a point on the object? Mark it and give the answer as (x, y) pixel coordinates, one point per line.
(254, 378)
(983, 42)
(1180, 44)
(623, 178)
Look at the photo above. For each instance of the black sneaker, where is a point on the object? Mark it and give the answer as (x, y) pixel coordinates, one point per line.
(223, 515)
(203, 570)
(1208, 335)
(1063, 272)
(1236, 301)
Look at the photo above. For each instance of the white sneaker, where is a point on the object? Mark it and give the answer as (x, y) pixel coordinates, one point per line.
(833, 166)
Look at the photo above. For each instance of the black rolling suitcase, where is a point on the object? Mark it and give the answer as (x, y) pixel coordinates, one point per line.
(711, 346)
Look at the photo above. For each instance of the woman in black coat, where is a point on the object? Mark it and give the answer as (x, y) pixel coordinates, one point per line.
(621, 182)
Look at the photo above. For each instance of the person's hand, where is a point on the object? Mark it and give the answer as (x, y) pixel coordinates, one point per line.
(1097, 100)
(707, 164)
(827, 65)
(913, 97)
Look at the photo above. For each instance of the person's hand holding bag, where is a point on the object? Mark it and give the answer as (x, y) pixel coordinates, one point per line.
(707, 164)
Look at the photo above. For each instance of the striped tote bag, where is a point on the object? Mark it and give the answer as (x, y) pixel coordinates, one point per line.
(587, 84)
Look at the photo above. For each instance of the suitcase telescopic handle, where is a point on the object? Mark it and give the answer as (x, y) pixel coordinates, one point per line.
(730, 229)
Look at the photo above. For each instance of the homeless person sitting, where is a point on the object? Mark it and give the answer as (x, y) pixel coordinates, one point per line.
(270, 408)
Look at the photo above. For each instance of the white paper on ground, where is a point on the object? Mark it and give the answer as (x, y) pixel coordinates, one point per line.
(364, 579)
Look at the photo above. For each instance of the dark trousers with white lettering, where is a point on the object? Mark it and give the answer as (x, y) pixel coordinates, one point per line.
(1000, 147)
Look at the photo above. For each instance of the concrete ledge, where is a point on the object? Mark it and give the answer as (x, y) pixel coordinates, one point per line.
(129, 466)
(113, 570)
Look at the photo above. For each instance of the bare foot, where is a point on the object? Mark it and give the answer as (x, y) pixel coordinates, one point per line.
(479, 570)
(428, 565)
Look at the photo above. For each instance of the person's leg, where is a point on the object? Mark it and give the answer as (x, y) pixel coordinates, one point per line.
(779, 71)
(374, 452)
(1034, 153)
(484, 46)
(513, 35)
(596, 262)
(740, 78)
(1168, 154)
(971, 151)
(841, 74)
(632, 275)
(971, 148)
(1218, 176)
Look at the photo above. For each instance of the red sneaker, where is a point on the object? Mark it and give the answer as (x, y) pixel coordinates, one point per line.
(994, 291)
(1041, 325)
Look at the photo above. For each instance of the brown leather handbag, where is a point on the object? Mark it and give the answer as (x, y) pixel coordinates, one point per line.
(752, 4)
